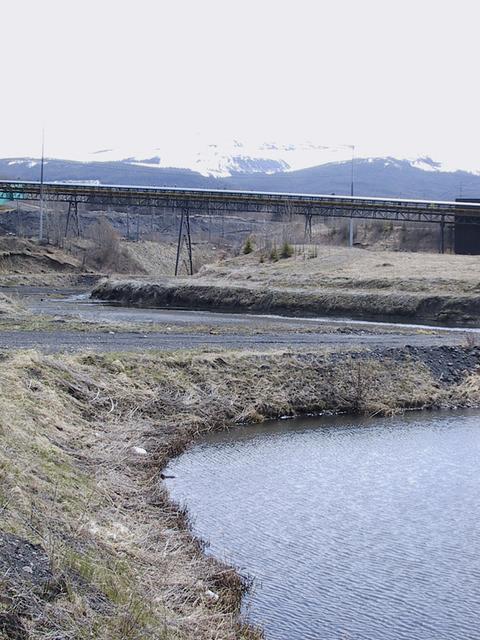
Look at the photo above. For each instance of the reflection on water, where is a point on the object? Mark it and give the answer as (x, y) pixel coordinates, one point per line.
(353, 529)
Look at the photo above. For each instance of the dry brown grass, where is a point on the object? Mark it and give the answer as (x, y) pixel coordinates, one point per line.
(341, 267)
(70, 479)
(158, 258)
(71, 482)
(9, 307)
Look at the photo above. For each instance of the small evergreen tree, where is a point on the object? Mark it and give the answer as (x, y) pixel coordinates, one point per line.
(286, 250)
(274, 254)
(248, 246)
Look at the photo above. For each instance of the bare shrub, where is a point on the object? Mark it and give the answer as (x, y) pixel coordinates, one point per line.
(55, 228)
(106, 252)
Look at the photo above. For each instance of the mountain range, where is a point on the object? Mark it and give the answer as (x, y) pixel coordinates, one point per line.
(270, 168)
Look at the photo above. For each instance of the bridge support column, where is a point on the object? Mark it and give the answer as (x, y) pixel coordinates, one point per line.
(351, 231)
(184, 236)
(308, 227)
(72, 216)
(442, 236)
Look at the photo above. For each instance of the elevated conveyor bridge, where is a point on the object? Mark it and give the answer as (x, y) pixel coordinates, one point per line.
(213, 202)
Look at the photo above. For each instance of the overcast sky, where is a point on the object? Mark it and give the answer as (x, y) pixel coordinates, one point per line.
(392, 77)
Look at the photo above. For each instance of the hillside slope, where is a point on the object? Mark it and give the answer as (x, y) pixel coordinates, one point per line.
(372, 177)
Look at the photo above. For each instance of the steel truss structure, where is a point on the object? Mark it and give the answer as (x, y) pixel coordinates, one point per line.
(216, 202)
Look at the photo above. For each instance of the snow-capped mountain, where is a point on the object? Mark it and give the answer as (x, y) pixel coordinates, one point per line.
(226, 158)
(229, 158)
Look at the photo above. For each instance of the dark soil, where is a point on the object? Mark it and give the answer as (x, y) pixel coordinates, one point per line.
(25, 565)
(28, 584)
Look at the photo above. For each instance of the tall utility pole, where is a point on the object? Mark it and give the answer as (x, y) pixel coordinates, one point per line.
(40, 233)
(351, 229)
(351, 177)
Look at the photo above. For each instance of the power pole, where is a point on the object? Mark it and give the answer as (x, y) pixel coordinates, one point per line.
(351, 229)
(40, 233)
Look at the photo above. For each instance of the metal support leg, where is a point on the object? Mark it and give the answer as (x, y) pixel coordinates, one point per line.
(184, 234)
(68, 218)
(189, 241)
(351, 230)
(179, 244)
(77, 218)
(442, 236)
(308, 227)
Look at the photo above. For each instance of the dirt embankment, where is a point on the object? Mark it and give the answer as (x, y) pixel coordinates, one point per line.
(409, 307)
(78, 260)
(90, 544)
(18, 256)
(24, 262)
(334, 282)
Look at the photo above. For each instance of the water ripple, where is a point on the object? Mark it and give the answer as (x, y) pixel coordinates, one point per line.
(354, 530)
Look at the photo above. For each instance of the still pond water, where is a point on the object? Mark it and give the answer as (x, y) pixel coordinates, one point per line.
(353, 529)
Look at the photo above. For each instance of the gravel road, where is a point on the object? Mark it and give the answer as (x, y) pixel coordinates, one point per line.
(287, 332)
(52, 341)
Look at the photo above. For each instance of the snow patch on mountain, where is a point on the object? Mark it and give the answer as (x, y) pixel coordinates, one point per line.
(227, 158)
(426, 164)
(234, 158)
(29, 163)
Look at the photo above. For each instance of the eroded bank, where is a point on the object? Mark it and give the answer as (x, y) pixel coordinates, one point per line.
(407, 306)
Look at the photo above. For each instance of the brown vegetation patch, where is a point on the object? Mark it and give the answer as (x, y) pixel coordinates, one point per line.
(313, 267)
(9, 307)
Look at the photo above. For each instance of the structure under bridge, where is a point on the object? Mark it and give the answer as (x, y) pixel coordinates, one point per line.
(216, 202)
